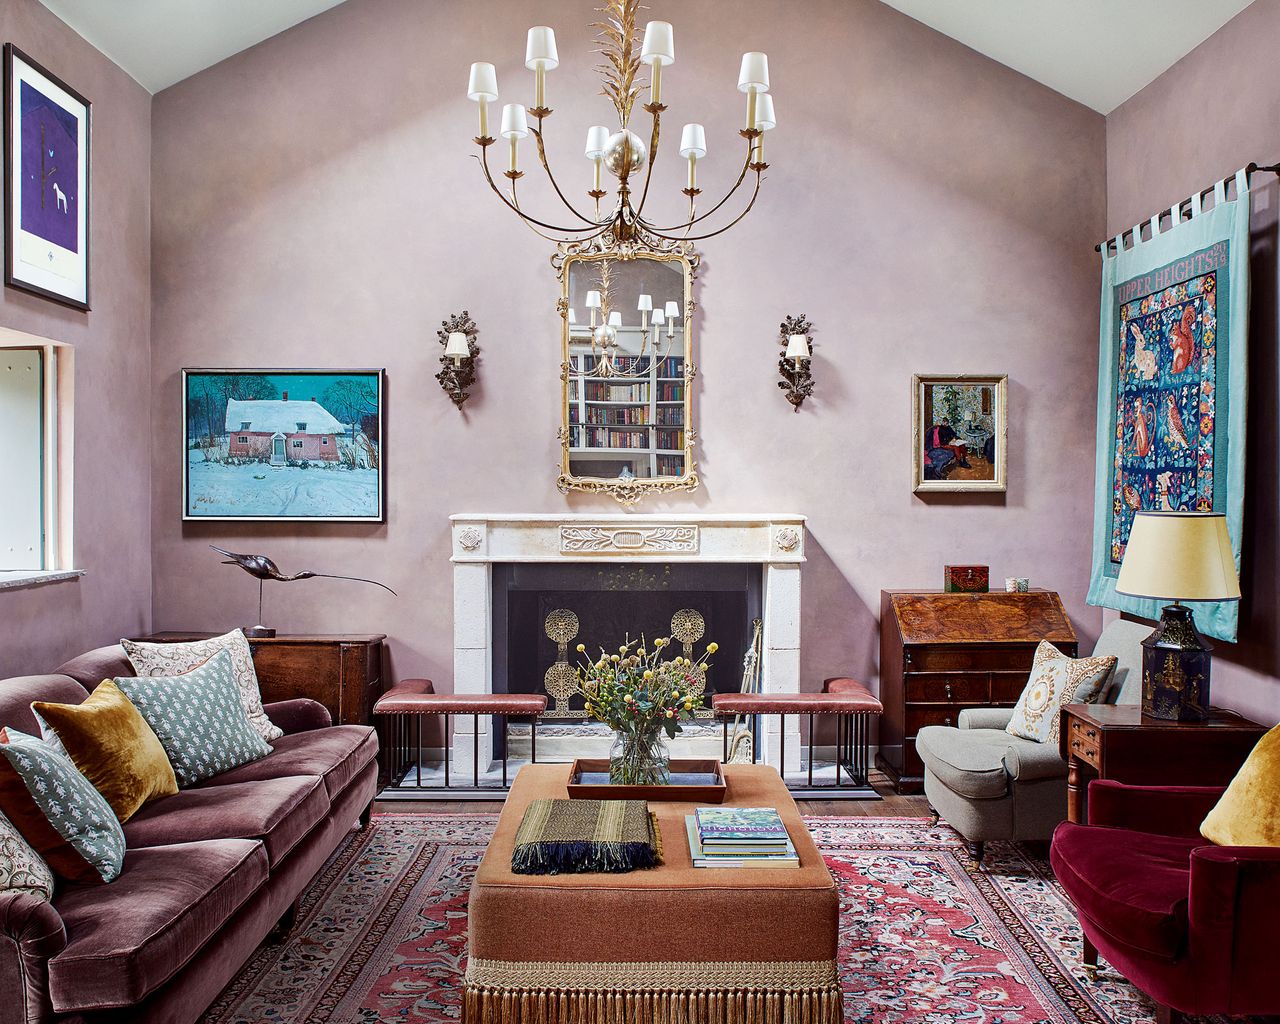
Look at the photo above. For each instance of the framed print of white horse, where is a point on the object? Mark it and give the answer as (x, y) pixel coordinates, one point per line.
(47, 137)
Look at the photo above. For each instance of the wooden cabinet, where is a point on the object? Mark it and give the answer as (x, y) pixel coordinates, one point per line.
(941, 653)
(342, 671)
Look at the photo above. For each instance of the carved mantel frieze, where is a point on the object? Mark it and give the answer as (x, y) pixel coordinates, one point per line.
(590, 539)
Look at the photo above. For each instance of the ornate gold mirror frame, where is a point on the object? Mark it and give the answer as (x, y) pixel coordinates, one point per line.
(626, 490)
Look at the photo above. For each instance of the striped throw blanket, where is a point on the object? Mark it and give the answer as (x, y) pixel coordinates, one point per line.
(575, 836)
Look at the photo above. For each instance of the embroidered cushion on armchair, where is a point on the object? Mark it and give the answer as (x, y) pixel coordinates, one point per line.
(1056, 680)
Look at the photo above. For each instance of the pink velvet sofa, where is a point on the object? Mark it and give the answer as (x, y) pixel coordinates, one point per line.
(208, 874)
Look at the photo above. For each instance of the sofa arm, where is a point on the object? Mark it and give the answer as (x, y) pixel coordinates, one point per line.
(985, 718)
(36, 934)
(1231, 905)
(1157, 810)
(1028, 761)
(302, 714)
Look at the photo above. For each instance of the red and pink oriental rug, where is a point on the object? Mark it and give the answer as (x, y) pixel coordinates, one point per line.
(382, 937)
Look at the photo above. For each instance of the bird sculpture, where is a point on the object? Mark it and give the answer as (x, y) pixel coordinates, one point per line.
(263, 568)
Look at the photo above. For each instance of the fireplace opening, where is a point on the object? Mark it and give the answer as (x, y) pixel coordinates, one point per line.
(610, 602)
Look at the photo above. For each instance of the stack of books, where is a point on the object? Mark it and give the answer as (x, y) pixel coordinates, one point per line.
(739, 837)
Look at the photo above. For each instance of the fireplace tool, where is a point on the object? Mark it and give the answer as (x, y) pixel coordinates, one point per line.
(740, 744)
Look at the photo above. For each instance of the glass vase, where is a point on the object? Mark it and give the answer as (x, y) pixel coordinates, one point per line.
(640, 758)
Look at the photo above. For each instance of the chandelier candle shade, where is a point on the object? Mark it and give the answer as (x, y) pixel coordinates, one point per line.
(623, 152)
(1178, 556)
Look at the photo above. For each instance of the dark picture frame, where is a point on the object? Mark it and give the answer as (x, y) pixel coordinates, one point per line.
(283, 445)
(57, 230)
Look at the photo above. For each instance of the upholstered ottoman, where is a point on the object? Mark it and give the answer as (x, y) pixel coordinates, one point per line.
(674, 943)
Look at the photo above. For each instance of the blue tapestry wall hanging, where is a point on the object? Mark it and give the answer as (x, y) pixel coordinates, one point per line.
(1171, 387)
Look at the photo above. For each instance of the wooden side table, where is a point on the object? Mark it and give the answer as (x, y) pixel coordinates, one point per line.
(343, 671)
(1117, 741)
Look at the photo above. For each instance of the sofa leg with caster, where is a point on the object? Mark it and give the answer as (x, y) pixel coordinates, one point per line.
(366, 816)
(934, 817)
(976, 849)
(288, 920)
(1089, 957)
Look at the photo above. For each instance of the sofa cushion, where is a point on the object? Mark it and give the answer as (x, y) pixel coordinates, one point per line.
(126, 939)
(277, 811)
(336, 754)
(969, 762)
(1056, 680)
(1131, 885)
(199, 719)
(112, 745)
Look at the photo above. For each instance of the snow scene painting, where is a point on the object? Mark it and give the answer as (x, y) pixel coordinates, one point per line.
(283, 444)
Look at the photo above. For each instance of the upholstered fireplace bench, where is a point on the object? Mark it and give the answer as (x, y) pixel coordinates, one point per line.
(399, 714)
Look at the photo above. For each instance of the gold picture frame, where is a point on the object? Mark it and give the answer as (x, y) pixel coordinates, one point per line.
(606, 249)
(959, 433)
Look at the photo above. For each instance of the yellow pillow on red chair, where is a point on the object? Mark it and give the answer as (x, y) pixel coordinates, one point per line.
(1248, 814)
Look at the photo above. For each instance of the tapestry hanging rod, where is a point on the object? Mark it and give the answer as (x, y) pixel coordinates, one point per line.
(1248, 170)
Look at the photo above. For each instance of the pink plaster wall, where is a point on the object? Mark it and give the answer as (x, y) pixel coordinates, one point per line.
(316, 203)
(1211, 113)
(42, 626)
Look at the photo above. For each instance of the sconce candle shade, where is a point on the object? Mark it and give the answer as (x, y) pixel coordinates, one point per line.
(483, 83)
(457, 348)
(657, 318)
(765, 120)
(597, 141)
(593, 300)
(797, 347)
(1179, 556)
(514, 123)
(573, 317)
(615, 319)
(754, 73)
(541, 49)
(659, 43)
(645, 304)
(673, 311)
(693, 141)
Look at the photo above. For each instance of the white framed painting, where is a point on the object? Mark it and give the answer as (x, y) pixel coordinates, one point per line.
(46, 154)
(283, 445)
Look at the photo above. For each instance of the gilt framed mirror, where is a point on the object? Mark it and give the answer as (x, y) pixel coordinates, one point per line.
(627, 369)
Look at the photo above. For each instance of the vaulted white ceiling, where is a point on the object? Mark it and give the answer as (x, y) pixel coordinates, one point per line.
(1099, 52)
(160, 42)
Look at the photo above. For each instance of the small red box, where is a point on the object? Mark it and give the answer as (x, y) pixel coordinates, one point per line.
(966, 579)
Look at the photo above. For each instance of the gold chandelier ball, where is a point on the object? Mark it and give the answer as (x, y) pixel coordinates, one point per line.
(625, 152)
(606, 336)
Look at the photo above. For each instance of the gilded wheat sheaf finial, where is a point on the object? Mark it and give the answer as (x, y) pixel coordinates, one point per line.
(621, 54)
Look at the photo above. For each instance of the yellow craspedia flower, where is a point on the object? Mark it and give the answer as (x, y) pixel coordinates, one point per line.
(675, 695)
(614, 658)
(622, 649)
(670, 713)
(712, 647)
(688, 705)
(648, 674)
(582, 648)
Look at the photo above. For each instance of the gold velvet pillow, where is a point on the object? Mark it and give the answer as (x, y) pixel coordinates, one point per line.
(1248, 814)
(113, 747)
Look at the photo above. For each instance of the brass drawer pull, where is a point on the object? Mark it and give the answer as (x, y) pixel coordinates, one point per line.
(947, 690)
(947, 720)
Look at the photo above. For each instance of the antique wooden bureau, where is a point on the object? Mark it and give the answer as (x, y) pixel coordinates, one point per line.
(941, 653)
(343, 671)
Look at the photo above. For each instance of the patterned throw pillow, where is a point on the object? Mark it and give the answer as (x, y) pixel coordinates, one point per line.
(198, 718)
(177, 659)
(1056, 680)
(58, 811)
(21, 867)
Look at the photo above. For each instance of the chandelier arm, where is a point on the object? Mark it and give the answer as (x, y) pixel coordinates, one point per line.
(746, 166)
(484, 163)
(653, 157)
(720, 231)
(542, 159)
(578, 240)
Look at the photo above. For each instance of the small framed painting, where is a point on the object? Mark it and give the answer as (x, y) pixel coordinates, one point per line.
(960, 432)
(46, 183)
(286, 445)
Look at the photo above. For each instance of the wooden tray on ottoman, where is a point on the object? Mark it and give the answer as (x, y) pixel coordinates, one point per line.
(696, 780)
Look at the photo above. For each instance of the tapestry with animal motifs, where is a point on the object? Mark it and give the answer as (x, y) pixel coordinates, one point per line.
(1167, 393)
(1173, 340)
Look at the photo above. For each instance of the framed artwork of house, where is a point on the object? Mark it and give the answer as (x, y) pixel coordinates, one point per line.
(46, 183)
(291, 445)
(960, 432)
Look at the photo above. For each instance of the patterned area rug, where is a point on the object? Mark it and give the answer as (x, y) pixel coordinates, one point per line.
(382, 937)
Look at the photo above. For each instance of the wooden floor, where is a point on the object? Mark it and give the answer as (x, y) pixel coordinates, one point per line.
(892, 806)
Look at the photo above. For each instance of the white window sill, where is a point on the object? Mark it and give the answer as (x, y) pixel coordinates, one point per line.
(11, 579)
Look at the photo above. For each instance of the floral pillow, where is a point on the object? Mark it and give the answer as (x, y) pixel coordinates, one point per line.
(1056, 680)
(21, 867)
(178, 659)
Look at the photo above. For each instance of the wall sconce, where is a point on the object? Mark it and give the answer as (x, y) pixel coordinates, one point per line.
(458, 363)
(795, 363)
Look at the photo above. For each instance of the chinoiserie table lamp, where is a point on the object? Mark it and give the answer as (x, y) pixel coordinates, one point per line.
(1178, 556)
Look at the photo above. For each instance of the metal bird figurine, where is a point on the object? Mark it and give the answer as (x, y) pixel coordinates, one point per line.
(262, 568)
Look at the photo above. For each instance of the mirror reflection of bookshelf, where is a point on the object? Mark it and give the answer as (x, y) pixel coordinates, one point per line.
(629, 423)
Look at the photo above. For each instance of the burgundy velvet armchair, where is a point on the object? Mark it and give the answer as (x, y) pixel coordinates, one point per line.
(1191, 924)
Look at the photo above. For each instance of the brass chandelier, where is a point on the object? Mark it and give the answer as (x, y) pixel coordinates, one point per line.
(623, 152)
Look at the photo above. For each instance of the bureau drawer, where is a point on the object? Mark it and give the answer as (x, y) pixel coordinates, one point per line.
(1007, 687)
(969, 658)
(948, 688)
(920, 715)
(1083, 742)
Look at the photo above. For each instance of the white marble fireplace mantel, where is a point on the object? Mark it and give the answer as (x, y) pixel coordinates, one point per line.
(773, 541)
